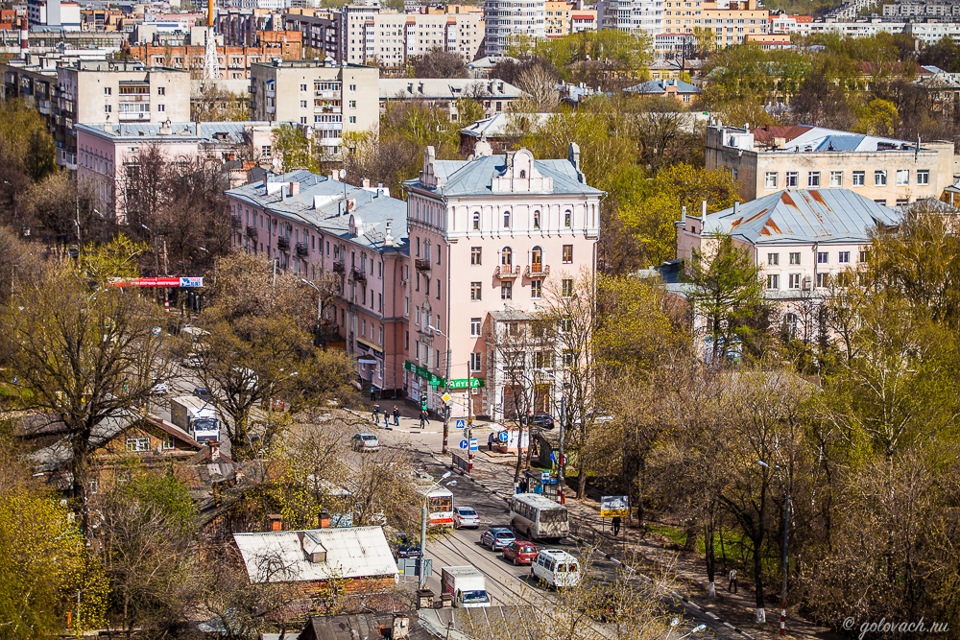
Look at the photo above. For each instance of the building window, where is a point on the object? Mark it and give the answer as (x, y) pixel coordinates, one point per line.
(902, 202)
(506, 256)
(138, 444)
(107, 91)
(475, 361)
(793, 179)
(352, 87)
(474, 290)
(836, 178)
(880, 178)
(823, 280)
(475, 327)
(536, 289)
(773, 281)
(823, 257)
(568, 219)
(843, 257)
(475, 255)
(773, 259)
(536, 219)
(476, 221)
(352, 120)
(352, 104)
(506, 291)
(566, 287)
(568, 254)
(771, 180)
(168, 442)
(794, 257)
(903, 176)
(161, 107)
(506, 219)
(813, 179)
(881, 201)
(161, 91)
(923, 176)
(303, 87)
(794, 280)
(859, 178)
(108, 108)
(864, 256)
(438, 288)
(303, 104)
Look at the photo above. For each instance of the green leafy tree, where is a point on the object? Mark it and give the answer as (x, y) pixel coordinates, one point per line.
(728, 294)
(878, 118)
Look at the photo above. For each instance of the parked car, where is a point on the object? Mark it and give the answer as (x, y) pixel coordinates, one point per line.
(541, 420)
(465, 517)
(160, 388)
(365, 442)
(496, 538)
(201, 392)
(407, 546)
(192, 361)
(520, 552)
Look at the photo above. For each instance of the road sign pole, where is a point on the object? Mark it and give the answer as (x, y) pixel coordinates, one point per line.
(469, 434)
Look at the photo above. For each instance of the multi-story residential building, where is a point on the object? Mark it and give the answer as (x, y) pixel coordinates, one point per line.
(675, 89)
(769, 159)
(799, 239)
(90, 91)
(557, 14)
(495, 95)
(730, 21)
(428, 286)
(330, 99)
(58, 14)
(391, 39)
(922, 10)
(234, 61)
(583, 20)
(783, 23)
(106, 152)
(632, 16)
(322, 31)
(507, 20)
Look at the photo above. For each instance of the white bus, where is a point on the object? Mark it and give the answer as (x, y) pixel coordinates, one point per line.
(537, 517)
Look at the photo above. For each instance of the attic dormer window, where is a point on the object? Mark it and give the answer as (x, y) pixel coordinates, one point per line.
(506, 216)
(523, 174)
(476, 221)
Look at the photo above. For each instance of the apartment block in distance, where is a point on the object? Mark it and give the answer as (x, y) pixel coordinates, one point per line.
(506, 20)
(330, 99)
(92, 91)
(730, 21)
(391, 39)
(890, 172)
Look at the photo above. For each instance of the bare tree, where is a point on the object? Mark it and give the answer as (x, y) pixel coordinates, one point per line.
(539, 82)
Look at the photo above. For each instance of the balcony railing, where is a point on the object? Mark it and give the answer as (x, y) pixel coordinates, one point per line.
(359, 275)
(507, 271)
(283, 243)
(303, 249)
(537, 270)
(338, 267)
(423, 265)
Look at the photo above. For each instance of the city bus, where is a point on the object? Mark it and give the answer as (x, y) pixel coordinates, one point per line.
(537, 517)
(439, 507)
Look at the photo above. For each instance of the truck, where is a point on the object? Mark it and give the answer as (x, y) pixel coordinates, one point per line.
(196, 417)
(465, 585)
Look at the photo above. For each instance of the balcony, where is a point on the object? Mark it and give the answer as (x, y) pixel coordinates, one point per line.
(358, 275)
(283, 243)
(303, 249)
(235, 223)
(507, 272)
(338, 267)
(251, 232)
(537, 270)
(423, 265)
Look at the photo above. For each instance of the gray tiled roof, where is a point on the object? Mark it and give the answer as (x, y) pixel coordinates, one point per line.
(475, 177)
(802, 216)
(320, 204)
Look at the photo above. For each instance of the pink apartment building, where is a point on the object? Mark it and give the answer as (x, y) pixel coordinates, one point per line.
(426, 282)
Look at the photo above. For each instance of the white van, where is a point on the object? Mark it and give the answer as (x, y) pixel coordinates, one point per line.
(556, 568)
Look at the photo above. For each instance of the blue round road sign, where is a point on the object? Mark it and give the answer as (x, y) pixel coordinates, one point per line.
(464, 444)
(504, 436)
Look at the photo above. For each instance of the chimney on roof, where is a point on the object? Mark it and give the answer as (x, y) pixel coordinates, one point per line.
(351, 205)
(294, 188)
(276, 521)
(214, 446)
(324, 519)
(388, 236)
(166, 128)
(401, 627)
(366, 183)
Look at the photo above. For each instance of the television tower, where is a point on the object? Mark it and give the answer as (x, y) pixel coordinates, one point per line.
(211, 63)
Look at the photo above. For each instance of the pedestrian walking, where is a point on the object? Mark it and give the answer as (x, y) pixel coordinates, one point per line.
(386, 420)
(396, 416)
(616, 525)
(423, 419)
(373, 392)
(376, 414)
(490, 442)
(732, 581)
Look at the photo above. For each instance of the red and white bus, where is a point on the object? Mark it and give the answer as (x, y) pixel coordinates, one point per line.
(439, 507)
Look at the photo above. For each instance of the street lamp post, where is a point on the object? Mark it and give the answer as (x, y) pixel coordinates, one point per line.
(319, 300)
(786, 544)
(562, 462)
(446, 411)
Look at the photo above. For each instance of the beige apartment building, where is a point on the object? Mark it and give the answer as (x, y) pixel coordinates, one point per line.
(94, 91)
(730, 21)
(327, 98)
(391, 39)
(770, 159)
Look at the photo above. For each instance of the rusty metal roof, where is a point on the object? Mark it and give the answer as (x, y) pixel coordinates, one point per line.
(802, 216)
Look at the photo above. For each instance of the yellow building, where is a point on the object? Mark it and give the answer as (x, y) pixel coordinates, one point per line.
(558, 18)
(729, 22)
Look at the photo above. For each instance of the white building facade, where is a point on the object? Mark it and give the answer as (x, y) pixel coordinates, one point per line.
(505, 20)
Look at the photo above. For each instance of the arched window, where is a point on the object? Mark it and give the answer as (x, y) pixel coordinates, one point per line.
(568, 219)
(506, 256)
(506, 219)
(536, 219)
(476, 221)
(536, 258)
(523, 173)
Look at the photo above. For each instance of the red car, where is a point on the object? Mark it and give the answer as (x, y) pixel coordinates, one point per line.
(520, 552)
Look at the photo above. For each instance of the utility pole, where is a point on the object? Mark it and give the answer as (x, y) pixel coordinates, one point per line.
(446, 409)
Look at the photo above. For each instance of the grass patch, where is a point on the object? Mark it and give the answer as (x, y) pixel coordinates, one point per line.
(676, 535)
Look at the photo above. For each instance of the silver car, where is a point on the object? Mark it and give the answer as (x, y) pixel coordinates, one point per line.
(365, 442)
